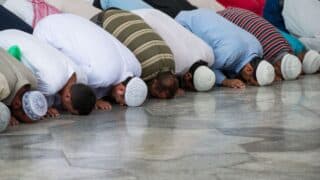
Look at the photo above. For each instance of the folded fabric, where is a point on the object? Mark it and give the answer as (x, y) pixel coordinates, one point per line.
(8, 20)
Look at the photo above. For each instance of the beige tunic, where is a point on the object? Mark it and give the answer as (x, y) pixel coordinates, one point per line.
(4, 87)
(16, 74)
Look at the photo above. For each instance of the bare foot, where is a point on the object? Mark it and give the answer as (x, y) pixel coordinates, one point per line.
(13, 121)
(52, 112)
(103, 105)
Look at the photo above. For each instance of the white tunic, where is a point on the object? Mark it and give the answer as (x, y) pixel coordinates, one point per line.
(302, 19)
(186, 47)
(104, 59)
(51, 68)
(21, 8)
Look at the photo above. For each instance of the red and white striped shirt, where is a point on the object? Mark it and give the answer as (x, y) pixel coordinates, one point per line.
(273, 43)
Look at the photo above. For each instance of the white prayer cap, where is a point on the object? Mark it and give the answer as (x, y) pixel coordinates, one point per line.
(4, 117)
(265, 73)
(136, 92)
(203, 78)
(290, 67)
(34, 105)
(311, 62)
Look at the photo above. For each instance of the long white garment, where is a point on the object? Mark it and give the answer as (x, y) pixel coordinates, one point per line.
(21, 8)
(212, 4)
(302, 17)
(311, 43)
(51, 68)
(104, 59)
(186, 47)
(78, 7)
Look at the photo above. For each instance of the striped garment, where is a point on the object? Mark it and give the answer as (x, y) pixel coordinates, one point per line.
(149, 48)
(41, 10)
(273, 43)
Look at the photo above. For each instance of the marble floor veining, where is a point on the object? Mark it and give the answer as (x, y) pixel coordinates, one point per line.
(268, 133)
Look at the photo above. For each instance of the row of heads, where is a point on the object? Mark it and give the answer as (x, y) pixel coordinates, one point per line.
(199, 78)
(31, 105)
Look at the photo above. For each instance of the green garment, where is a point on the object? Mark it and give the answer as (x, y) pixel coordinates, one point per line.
(15, 52)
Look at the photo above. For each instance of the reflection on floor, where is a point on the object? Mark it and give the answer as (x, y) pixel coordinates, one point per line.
(258, 133)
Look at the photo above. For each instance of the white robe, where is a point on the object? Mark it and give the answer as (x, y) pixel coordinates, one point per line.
(187, 48)
(302, 19)
(51, 68)
(105, 60)
(21, 8)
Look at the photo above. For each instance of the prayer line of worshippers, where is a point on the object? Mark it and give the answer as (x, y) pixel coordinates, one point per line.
(80, 55)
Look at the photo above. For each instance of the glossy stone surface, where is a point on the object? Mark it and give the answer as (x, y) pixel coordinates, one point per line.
(257, 133)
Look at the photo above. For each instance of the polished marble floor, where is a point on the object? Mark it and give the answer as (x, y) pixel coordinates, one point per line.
(258, 133)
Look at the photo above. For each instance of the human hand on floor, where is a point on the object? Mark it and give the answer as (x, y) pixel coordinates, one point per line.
(278, 78)
(233, 83)
(180, 92)
(52, 112)
(13, 121)
(103, 105)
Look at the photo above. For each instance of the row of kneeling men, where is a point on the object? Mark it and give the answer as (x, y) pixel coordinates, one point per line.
(68, 54)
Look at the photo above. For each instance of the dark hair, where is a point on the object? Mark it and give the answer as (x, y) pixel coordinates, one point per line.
(169, 88)
(110, 98)
(83, 99)
(255, 63)
(192, 70)
(97, 4)
(197, 64)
